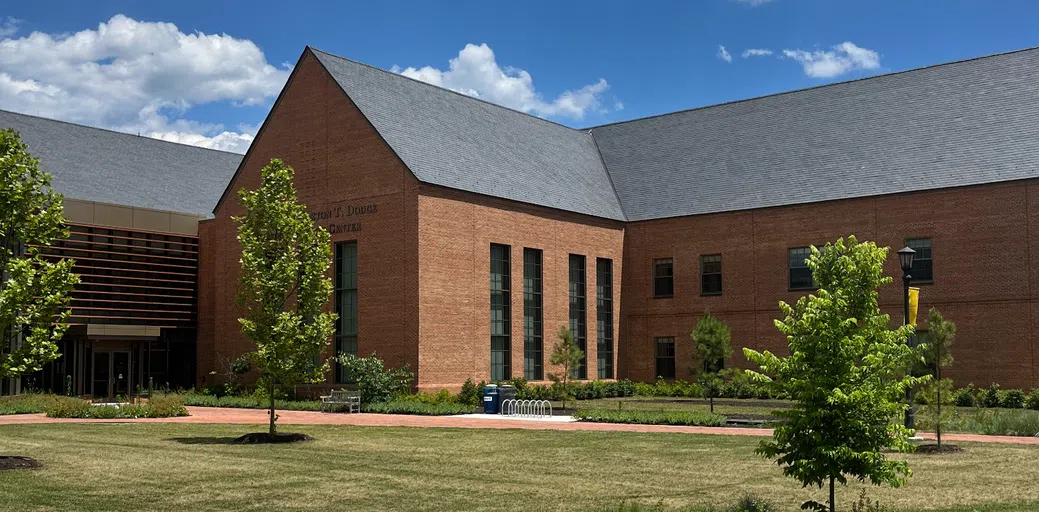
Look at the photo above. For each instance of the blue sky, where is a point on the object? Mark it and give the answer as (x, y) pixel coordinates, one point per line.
(610, 61)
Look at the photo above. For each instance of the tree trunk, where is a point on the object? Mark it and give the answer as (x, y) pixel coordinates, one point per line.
(938, 423)
(273, 429)
(712, 402)
(832, 504)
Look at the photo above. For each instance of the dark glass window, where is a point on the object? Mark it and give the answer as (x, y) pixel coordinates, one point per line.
(578, 313)
(663, 278)
(604, 317)
(665, 351)
(345, 303)
(922, 270)
(711, 274)
(533, 342)
(800, 274)
(500, 313)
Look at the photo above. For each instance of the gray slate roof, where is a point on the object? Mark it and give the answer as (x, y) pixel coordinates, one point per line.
(950, 125)
(456, 141)
(111, 167)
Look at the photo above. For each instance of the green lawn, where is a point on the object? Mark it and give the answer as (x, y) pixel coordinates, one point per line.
(191, 467)
(723, 406)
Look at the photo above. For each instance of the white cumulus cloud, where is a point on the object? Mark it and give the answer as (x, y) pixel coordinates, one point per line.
(137, 77)
(476, 72)
(840, 59)
(756, 52)
(723, 54)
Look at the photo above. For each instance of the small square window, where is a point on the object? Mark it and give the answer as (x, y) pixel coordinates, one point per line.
(922, 270)
(711, 274)
(800, 274)
(663, 278)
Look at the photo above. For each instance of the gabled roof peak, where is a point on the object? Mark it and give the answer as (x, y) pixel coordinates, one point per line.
(449, 139)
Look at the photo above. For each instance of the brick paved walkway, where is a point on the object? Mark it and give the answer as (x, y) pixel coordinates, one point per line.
(258, 416)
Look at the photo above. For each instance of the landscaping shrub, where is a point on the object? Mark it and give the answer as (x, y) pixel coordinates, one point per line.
(248, 402)
(737, 385)
(66, 407)
(1012, 398)
(649, 417)
(965, 397)
(470, 394)
(166, 406)
(580, 390)
(1006, 423)
(409, 407)
(29, 403)
(989, 397)
(1032, 400)
(440, 397)
(663, 388)
(374, 382)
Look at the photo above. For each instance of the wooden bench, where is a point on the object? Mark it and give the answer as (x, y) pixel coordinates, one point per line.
(350, 399)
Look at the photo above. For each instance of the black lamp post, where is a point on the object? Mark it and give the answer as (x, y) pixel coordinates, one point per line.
(905, 259)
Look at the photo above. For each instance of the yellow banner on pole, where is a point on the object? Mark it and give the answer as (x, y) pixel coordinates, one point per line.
(914, 303)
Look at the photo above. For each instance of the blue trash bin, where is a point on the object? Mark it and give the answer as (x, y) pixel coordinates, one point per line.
(490, 399)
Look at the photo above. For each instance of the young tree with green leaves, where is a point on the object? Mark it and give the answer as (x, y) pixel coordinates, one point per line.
(34, 292)
(284, 284)
(567, 355)
(937, 353)
(846, 373)
(711, 339)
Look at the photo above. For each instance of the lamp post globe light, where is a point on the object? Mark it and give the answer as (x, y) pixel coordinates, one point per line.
(905, 260)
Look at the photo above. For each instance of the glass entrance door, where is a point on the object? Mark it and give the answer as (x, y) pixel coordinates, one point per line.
(120, 374)
(112, 374)
(102, 374)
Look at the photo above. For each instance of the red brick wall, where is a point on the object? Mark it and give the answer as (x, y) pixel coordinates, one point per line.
(982, 274)
(340, 161)
(456, 230)
(424, 258)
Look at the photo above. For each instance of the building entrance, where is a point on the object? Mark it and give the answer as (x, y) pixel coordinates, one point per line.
(113, 373)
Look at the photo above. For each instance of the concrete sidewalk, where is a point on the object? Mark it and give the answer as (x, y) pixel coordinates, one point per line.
(259, 416)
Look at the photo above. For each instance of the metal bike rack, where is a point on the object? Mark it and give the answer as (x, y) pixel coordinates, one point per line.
(527, 408)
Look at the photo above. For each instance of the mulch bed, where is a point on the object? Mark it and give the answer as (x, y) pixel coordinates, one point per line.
(932, 449)
(266, 438)
(10, 462)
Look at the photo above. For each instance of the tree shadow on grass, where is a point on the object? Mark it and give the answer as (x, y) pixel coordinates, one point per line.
(203, 440)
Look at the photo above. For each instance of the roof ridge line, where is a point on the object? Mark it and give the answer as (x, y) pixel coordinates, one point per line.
(503, 107)
(814, 87)
(609, 176)
(117, 132)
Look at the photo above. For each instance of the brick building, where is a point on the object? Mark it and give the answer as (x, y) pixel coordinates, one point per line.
(466, 233)
(132, 206)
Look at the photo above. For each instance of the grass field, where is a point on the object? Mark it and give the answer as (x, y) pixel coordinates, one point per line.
(192, 467)
(723, 406)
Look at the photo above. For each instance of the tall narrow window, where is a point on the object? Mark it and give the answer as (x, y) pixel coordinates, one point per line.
(345, 303)
(533, 343)
(711, 274)
(663, 278)
(800, 274)
(578, 312)
(500, 313)
(604, 317)
(665, 352)
(922, 271)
